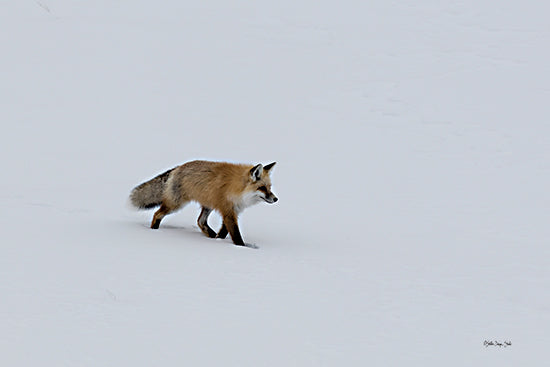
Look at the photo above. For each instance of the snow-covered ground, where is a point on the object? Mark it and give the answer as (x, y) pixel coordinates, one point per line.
(412, 142)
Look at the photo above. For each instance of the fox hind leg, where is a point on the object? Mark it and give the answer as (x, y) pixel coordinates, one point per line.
(202, 221)
(163, 211)
(159, 214)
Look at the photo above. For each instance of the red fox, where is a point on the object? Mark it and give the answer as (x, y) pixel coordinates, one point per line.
(226, 187)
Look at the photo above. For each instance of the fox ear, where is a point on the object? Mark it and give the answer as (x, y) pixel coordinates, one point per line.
(269, 166)
(256, 172)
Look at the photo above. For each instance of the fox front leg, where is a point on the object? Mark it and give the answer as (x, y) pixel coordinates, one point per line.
(230, 223)
(223, 232)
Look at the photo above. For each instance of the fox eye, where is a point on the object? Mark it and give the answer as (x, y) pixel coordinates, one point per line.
(263, 189)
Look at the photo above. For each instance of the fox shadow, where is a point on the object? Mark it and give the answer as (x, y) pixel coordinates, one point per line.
(195, 233)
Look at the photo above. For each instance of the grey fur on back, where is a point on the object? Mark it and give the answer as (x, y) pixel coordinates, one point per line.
(149, 194)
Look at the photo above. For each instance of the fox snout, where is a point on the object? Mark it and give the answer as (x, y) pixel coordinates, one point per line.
(265, 193)
(268, 196)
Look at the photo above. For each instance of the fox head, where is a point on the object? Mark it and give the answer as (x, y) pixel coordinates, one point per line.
(260, 183)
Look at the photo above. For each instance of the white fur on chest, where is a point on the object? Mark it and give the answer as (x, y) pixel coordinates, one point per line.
(246, 200)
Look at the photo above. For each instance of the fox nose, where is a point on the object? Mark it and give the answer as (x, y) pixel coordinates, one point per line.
(275, 199)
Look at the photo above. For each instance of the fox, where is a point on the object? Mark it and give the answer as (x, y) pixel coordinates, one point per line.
(227, 188)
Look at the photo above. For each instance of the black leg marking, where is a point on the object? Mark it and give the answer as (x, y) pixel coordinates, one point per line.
(223, 232)
(159, 214)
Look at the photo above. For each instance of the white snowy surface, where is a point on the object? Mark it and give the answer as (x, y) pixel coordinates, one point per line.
(412, 141)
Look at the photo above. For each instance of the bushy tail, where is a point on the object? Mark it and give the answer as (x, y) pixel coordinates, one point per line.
(149, 194)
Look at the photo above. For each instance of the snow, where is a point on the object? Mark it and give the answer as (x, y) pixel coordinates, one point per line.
(412, 145)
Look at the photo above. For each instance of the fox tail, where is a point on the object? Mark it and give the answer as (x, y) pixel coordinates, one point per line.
(148, 195)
